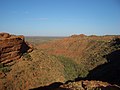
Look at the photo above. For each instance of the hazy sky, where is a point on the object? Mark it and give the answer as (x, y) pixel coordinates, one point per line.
(60, 17)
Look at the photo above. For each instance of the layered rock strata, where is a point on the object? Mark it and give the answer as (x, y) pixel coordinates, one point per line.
(11, 47)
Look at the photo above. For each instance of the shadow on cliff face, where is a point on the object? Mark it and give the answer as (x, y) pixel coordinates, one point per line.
(52, 86)
(108, 72)
(109, 88)
(24, 48)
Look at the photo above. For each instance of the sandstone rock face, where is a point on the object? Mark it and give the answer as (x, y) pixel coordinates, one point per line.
(88, 85)
(11, 47)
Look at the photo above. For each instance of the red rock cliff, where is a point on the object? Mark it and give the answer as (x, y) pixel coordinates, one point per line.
(11, 47)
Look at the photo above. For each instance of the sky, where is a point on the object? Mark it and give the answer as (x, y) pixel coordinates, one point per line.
(60, 17)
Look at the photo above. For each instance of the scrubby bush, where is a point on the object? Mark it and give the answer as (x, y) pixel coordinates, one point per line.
(26, 56)
(3, 68)
(72, 70)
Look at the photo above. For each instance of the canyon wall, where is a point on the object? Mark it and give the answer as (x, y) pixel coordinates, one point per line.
(12, 47)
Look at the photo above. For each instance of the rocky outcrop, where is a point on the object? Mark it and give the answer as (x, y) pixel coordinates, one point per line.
(88, 85)
(81, 35)
(12, 47)
(80, 85)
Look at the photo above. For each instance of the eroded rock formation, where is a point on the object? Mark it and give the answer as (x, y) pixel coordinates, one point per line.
(88, 85)
(11, 47)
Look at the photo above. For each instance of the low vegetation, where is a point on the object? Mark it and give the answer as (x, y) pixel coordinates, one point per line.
(4, 68)
(70, 67)
(27, 56)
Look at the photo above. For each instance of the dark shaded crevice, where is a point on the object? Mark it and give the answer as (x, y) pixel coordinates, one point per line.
(109, 88)
(50, 87)
(83, 86)
(108, 72)
(24, 47)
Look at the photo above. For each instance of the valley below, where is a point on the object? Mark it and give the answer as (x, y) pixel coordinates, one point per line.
(77, 62)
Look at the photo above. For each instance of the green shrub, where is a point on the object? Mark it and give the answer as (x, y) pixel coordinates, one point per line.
(1, 65)
(26, 56)
(4, 69)
(72, 70)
